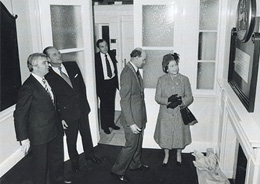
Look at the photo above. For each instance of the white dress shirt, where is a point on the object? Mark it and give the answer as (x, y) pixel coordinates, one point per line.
(39, 79)
(104, 65)
(57, 70)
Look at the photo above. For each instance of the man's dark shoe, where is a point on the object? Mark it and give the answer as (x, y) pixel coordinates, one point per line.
(75, 167)
(178, 163)
(115, 127)
(94, 159)
(107, 131)
(142, 168)
(120, 177)
(67, 181)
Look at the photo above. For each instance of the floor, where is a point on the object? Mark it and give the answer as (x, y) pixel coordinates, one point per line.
(90, 173)
(109, 143)
(116, 137)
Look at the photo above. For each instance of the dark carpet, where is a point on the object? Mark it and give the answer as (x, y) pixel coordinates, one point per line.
(100, 173)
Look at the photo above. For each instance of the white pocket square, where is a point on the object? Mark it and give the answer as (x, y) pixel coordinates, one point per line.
(75, 75)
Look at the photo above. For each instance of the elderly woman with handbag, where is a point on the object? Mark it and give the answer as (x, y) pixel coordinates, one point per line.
(173, 92)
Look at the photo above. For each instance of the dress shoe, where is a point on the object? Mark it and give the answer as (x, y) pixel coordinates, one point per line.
(120, 177)
(107, 131)
(178, 163)
(115, 127)
(67, 181)
(75, 167)
(94, 159)
(164, 165)
(142, 168)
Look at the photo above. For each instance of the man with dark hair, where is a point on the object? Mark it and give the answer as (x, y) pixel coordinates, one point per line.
(133, 116)
(106, 83)
(72, 104)
(37, 123)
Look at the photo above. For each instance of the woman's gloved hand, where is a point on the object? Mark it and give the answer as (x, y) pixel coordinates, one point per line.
(174, 104)
(173, 98)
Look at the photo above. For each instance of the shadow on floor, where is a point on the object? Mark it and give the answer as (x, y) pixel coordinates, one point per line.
(100, 173)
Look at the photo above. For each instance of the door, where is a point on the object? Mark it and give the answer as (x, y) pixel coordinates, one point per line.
(162, 27)
(68, 26)
(115, 25)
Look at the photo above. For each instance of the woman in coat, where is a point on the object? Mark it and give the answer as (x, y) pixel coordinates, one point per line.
(173, 92)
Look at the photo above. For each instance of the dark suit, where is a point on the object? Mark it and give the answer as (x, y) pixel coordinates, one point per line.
(36, 119)
(73, 107)
(106, 91)
(133, 111)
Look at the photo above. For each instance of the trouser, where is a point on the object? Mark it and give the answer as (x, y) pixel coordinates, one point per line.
(82, 126)
(107, 104)
(48, 157)
(130, 155)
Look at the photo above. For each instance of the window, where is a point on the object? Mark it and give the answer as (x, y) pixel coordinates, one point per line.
(207, 44)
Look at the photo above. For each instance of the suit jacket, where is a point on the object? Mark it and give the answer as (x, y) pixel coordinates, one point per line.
(71, 102)
(99, 71)
(35, 116)
(133, 110)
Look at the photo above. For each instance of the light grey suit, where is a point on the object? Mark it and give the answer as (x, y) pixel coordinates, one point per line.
(133, 111)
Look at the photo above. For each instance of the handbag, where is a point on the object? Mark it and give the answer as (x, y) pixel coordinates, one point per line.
(188, 117)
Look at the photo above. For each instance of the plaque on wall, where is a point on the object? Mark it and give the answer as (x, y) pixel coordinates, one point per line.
(243, 67)
(10, 77)
(246, 12)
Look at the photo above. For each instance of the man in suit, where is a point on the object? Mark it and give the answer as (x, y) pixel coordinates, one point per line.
(133, 117)
(106, 83)
(72, 104)
(37, 124)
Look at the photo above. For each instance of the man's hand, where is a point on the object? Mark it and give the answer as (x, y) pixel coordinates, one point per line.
(25, 146)
(64, 124)
(135, 129)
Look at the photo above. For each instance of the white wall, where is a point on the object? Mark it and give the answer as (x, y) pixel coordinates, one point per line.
(9, 147)
(231, 22)
(30, 41)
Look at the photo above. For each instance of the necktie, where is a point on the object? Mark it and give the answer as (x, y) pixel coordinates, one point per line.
(65, 77)
(47, 90)
(139, 76)
(109, 72)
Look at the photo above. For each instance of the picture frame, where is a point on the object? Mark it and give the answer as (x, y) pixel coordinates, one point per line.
(243, 68)
(10, 75)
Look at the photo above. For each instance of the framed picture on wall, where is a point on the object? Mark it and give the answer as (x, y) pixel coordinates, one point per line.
(243, 68)
(10, 77)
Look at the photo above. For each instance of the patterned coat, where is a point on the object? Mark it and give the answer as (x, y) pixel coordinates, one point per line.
(170, 131)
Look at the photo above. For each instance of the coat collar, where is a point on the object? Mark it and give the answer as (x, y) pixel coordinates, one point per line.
(141, 85)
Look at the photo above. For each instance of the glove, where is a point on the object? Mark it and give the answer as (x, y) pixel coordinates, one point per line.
(173, 105)
(172, 98)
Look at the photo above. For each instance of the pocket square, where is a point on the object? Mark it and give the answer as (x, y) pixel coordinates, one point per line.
(75, 75)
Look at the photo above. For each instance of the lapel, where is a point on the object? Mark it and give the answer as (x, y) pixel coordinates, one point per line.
(100, 66)
(56, 79)
(140, 84)
(73, 73)
(99, 58)
(70, 75)
(114, 61)
(36, 84)
(99, 62)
